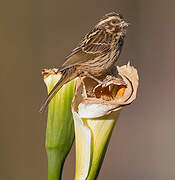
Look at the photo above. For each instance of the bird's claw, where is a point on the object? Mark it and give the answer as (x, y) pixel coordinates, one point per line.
(110, 80)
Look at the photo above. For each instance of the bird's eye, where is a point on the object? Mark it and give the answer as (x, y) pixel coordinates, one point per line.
(113, 21)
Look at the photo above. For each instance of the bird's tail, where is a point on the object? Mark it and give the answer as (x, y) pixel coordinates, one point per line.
(64, 79)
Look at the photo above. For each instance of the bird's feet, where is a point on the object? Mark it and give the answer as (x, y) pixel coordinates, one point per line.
(93, 77)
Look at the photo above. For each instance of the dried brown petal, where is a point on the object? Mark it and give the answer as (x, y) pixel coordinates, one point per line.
(112, 94)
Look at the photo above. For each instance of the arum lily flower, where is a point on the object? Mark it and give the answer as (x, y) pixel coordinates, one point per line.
(96, 108)
(60, 125)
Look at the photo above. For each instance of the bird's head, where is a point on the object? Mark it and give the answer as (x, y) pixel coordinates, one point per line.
(112, 23)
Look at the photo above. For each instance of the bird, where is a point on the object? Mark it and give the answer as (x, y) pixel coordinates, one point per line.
(96, 53)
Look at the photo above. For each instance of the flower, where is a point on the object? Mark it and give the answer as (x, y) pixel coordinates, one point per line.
(60, 125)
(96, 108)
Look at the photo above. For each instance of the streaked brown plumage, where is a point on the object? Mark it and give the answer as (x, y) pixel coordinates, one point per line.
(96, 53)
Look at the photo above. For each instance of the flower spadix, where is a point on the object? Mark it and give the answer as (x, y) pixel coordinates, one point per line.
(60, 126)
(96, 108)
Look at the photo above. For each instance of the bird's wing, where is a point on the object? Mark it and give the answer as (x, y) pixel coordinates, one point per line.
(93, 44)
(76, 57)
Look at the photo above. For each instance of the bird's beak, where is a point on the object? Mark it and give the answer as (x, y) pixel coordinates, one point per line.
(124, 24)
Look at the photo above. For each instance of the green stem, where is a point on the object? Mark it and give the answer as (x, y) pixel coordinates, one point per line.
(55, 164)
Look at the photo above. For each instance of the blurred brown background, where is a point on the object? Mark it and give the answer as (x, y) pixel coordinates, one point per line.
(39, 34)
